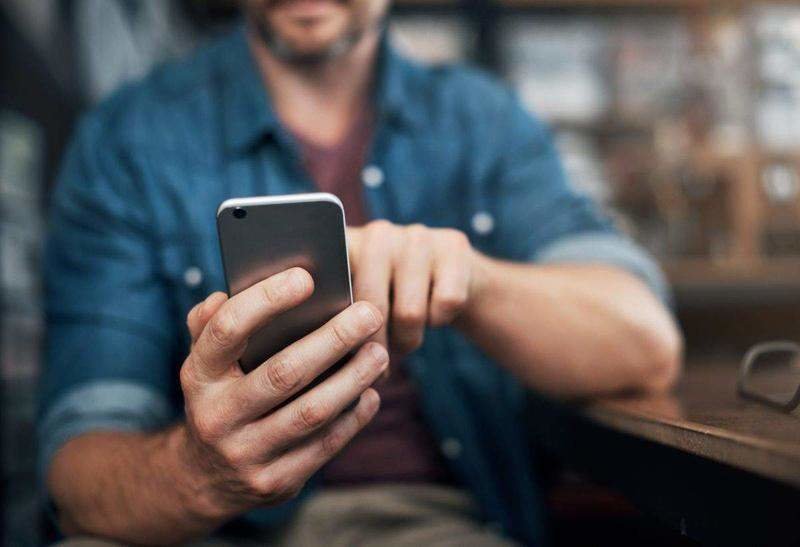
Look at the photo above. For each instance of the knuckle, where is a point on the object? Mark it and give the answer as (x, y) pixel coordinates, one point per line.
(234, 455)
(222, 329)
(281, 376)
(208, 426)
(455, 237)
(311, 415)
(416, 232)
(259, 483)
(273, 292)
(379, 228)
(380, 224)
(278, 487)
(187, 376)
(265, 485)
(340, 337)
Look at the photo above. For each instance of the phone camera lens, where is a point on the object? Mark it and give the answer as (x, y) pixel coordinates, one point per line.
(239, 213)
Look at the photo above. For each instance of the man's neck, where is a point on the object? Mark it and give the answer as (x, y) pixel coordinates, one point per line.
(319, 102)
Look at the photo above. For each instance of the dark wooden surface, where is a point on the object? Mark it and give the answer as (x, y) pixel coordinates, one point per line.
(715, 468)
(705, 417)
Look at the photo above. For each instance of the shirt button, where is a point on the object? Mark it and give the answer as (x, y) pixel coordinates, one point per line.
(451, 448)
(372, 176)
(193, 276)
(482, 223)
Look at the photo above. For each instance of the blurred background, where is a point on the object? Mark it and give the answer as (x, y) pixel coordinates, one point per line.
(681, 116)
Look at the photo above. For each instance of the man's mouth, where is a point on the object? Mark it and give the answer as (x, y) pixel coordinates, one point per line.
(307, 8)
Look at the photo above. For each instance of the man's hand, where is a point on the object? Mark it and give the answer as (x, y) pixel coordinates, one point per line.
(243, 446)
(621, 337)
(248, 440)
(415, 275)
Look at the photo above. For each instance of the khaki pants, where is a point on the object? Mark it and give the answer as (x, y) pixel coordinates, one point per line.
(384, 515)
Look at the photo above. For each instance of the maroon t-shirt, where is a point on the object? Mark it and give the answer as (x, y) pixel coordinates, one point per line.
(397, 445)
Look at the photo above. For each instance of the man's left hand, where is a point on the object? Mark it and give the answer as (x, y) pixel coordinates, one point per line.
(416, 276)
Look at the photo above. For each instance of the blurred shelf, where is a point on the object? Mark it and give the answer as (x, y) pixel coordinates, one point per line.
(606, 126)
(584, 4)
(427, 3)
(704, 283)
(656, 4)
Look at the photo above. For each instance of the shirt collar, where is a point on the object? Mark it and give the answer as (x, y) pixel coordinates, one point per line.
(247, 111)
(248, 116)
(392, 95)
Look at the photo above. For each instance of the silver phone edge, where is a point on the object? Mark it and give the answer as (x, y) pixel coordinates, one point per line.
(308, 197)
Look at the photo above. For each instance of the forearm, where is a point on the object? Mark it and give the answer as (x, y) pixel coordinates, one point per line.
(131, 487)
(248, 440)
(573, 330)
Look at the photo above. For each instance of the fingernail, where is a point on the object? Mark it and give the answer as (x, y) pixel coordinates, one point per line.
(201, 309)
(367, 313)
(379, 353)
(297, 279)
(292, 276)
(210, 301)
(371, 399)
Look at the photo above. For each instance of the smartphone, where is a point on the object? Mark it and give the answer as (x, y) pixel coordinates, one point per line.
(262, 236)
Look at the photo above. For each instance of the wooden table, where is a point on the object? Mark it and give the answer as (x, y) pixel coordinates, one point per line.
(720, 469)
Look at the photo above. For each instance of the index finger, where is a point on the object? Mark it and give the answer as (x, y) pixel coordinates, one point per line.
(372, 279)
(225, 335)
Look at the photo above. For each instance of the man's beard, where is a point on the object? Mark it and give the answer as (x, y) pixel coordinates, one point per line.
(283, 50)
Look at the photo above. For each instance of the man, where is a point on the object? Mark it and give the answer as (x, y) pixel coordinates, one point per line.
(474, 264)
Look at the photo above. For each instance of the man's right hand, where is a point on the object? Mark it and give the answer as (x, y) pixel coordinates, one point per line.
(244, 447)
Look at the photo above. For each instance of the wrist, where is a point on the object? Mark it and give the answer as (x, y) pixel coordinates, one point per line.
(483, 269)
(193, 478)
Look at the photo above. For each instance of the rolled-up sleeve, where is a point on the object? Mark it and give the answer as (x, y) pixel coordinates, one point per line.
(110, 338)
(542, 218)
(607, 249)
(110, 405)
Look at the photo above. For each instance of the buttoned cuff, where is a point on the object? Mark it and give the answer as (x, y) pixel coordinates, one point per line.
(608, 249)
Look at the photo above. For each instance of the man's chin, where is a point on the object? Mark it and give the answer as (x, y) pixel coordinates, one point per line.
(314, 43)
(301, 44)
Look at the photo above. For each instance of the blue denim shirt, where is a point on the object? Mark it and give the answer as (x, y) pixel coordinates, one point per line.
(133, 246)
